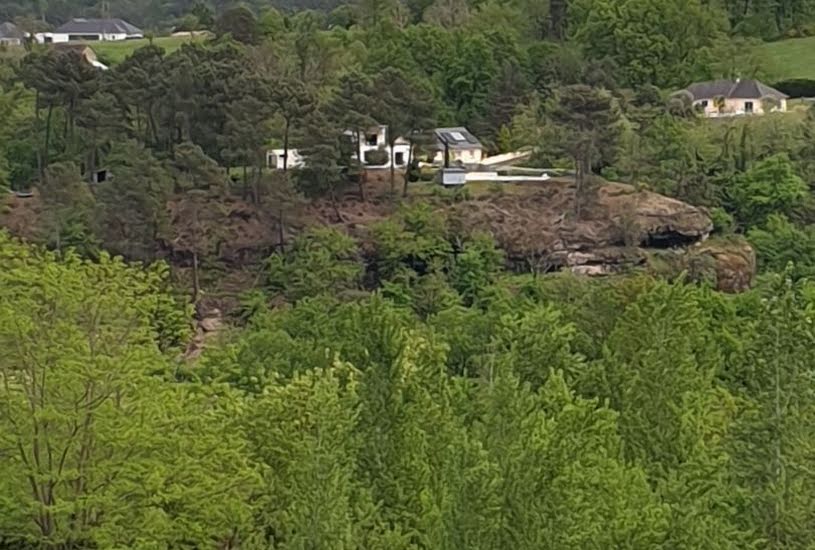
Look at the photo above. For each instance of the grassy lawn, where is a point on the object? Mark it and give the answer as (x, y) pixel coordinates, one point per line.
(785, 59)
(115, 52)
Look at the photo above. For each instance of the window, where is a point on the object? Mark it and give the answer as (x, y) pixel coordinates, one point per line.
(458, 136)
(748, 106)
(704, 104)
(400, 159)
(371, 139)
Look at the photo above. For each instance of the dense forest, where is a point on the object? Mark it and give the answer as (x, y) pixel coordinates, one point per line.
(404, 380)
(767, 19)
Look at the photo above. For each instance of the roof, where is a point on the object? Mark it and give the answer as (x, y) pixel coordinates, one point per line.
(733, 89)
(457, 138)
(98, 26)
(10, 30)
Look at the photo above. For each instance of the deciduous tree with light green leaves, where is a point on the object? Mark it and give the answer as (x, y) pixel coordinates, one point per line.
(771, 186)
(97, 449)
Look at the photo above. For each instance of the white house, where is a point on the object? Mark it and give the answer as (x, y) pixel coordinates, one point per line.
(10, 35)
(722, 98)
(372, 141)
(457, 146)
(376, 139)
(274, 159)
(91, 30)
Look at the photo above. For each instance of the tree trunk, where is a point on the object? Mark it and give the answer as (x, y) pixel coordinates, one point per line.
(152, 127)
(40, 168)
(196, 284)
(245, 183)
(281, 244)
(393, 168)
(335, 204)
(65, 131)
(361, 175)
(47, 137)
(92, 161)
(557, 19)
(578, 185)
(407, 170)
(286, 147)
(256, 174)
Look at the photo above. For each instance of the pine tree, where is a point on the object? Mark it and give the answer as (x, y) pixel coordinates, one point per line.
(585, 120)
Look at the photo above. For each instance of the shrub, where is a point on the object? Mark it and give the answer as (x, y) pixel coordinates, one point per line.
(321, 260)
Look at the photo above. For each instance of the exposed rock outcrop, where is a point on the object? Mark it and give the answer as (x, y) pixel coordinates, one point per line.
(615, 228)
(620, 227)
(734, 262)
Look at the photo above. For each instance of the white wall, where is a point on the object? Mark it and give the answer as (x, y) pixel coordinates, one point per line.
(463, 156)
(735, 107)
(274, 159)
(402, 149)
(59, 38)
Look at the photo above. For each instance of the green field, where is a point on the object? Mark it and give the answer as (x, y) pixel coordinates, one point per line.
(115, 52)
(786, 59)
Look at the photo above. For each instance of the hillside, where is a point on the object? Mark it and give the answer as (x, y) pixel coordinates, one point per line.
(112, 53)
(622, 230)
(788, 59)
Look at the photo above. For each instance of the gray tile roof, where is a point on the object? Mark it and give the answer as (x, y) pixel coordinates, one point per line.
(10, 30)
(733, 89)
(98, 26)
(457, 138)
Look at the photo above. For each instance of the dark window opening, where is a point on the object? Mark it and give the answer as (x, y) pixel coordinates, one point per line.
(400, 159)
(748, 106)
(100, 176)
(85, 37)
(704, 104)
(371, 139)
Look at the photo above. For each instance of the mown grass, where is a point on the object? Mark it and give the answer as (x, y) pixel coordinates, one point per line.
(787, 59)
(112, 53)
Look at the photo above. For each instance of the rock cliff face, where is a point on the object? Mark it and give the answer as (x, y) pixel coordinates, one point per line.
(617, 226)
(733, 260)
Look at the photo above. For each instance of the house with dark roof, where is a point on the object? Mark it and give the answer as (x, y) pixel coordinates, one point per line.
(91, 30)
(457, 146)
(10, 35)
(719, 98)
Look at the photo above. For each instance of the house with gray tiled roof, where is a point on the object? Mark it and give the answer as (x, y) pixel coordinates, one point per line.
(10, 35)
(91, 30)
(718, 98)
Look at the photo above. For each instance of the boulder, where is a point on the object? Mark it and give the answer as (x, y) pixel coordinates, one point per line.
(211, 324)
(734, 262)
